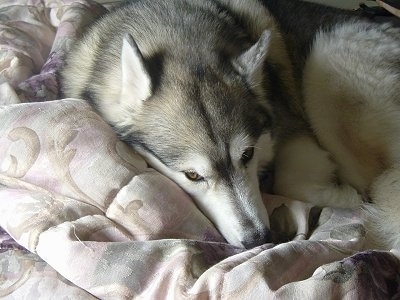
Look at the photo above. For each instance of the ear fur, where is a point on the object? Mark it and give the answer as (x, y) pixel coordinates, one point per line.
(250, 63)
(136, 81)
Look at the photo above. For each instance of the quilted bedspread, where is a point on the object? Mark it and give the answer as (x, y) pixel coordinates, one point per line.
(83, 216)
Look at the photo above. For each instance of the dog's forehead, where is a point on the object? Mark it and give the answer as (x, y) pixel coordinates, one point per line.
(204, 116)
(221, 102)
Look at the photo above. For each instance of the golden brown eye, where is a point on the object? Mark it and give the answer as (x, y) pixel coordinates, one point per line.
(193, 176)
(247, 155)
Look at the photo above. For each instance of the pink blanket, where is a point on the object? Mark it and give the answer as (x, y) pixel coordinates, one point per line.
(97, 222)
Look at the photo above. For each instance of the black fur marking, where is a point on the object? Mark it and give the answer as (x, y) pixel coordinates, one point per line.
(261, 121)
(276, 86)
(225, 168)
(225, 173)
(201, 110)
(300, 21)
(89, 96)
(237, 21)
(155, 68)
(199, 71)
(281, 103)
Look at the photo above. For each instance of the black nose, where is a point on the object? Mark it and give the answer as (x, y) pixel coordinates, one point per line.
(257, 239)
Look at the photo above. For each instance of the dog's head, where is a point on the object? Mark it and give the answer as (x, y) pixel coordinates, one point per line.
(205, 127)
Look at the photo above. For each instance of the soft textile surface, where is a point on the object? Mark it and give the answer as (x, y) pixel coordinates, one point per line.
(99, 223)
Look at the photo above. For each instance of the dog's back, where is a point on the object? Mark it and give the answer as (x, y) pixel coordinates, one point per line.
(299, 23)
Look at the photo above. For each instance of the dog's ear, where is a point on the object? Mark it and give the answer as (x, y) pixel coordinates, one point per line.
(136, 81)
(250, 63)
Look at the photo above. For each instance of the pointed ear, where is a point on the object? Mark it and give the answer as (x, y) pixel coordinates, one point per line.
(250, 63)
(136, 81)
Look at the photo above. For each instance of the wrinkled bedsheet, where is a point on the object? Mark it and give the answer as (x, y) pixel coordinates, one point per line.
(83, 216)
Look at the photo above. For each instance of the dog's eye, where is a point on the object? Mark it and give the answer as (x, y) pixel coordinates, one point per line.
(247, 155)
(193, 176)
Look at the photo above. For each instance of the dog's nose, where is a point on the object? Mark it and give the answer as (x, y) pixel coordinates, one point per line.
(257, 239)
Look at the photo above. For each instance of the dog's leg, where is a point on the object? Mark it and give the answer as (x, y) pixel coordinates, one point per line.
(306, 172)
(382, 217)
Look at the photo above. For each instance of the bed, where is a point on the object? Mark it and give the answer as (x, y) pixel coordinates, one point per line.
(83, 216)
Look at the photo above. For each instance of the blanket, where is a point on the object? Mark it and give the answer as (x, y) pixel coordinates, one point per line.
(83, 216)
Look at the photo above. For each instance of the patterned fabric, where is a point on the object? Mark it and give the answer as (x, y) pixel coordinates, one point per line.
(35, 35)
(89, 219)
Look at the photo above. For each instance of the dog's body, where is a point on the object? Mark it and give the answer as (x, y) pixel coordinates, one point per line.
(349, 75)
(208, 90)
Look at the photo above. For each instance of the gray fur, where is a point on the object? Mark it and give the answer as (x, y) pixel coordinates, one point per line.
(206, 87)
(206, 80)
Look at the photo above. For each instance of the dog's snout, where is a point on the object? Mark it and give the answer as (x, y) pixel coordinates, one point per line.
(257, 239)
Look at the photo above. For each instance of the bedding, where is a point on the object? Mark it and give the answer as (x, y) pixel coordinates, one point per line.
(83, 216)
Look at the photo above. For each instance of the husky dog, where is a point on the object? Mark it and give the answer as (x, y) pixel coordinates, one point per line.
(210, 92)
(181, 81)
